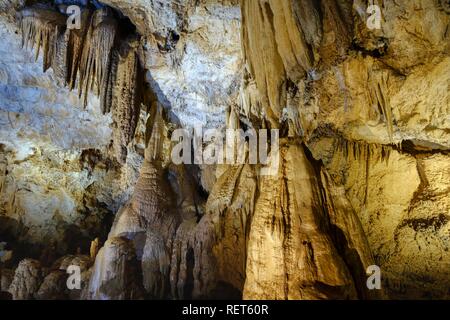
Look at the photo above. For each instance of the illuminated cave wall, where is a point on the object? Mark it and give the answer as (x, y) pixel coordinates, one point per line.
(87, 179)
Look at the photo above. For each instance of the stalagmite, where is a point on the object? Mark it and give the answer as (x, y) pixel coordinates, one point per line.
(347, 229)
(93, 250)
(27, 279)
(116, 273)
(150, 219)
(292, 249)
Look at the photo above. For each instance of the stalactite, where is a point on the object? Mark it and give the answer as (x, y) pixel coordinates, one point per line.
(75, 44)
(93, 250)
(107, 95)
(361, 151)
(155, 133)
(3, 167)
(126, 96)
(59, 63)
(380, 97)
(93, 54)
(40, 29)
(96, 58)
(307, 14)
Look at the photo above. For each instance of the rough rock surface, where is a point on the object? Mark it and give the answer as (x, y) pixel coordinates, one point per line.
(6, 277)
(27, 280)
(192, 53)
(116, 276)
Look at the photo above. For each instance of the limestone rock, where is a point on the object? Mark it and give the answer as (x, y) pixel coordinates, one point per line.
(53, 287)
(6, 277)
(126, 96)
(116, 272)
(27, 280)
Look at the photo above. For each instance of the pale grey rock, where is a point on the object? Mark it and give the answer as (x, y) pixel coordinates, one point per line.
(27, 279)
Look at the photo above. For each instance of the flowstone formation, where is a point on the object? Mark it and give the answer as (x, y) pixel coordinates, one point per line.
(364, 164)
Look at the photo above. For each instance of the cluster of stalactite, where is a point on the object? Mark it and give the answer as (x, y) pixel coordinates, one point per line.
(292, 235)
(98, 57)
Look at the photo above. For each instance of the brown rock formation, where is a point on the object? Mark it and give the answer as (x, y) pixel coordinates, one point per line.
(96, 57)
(27, 280)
